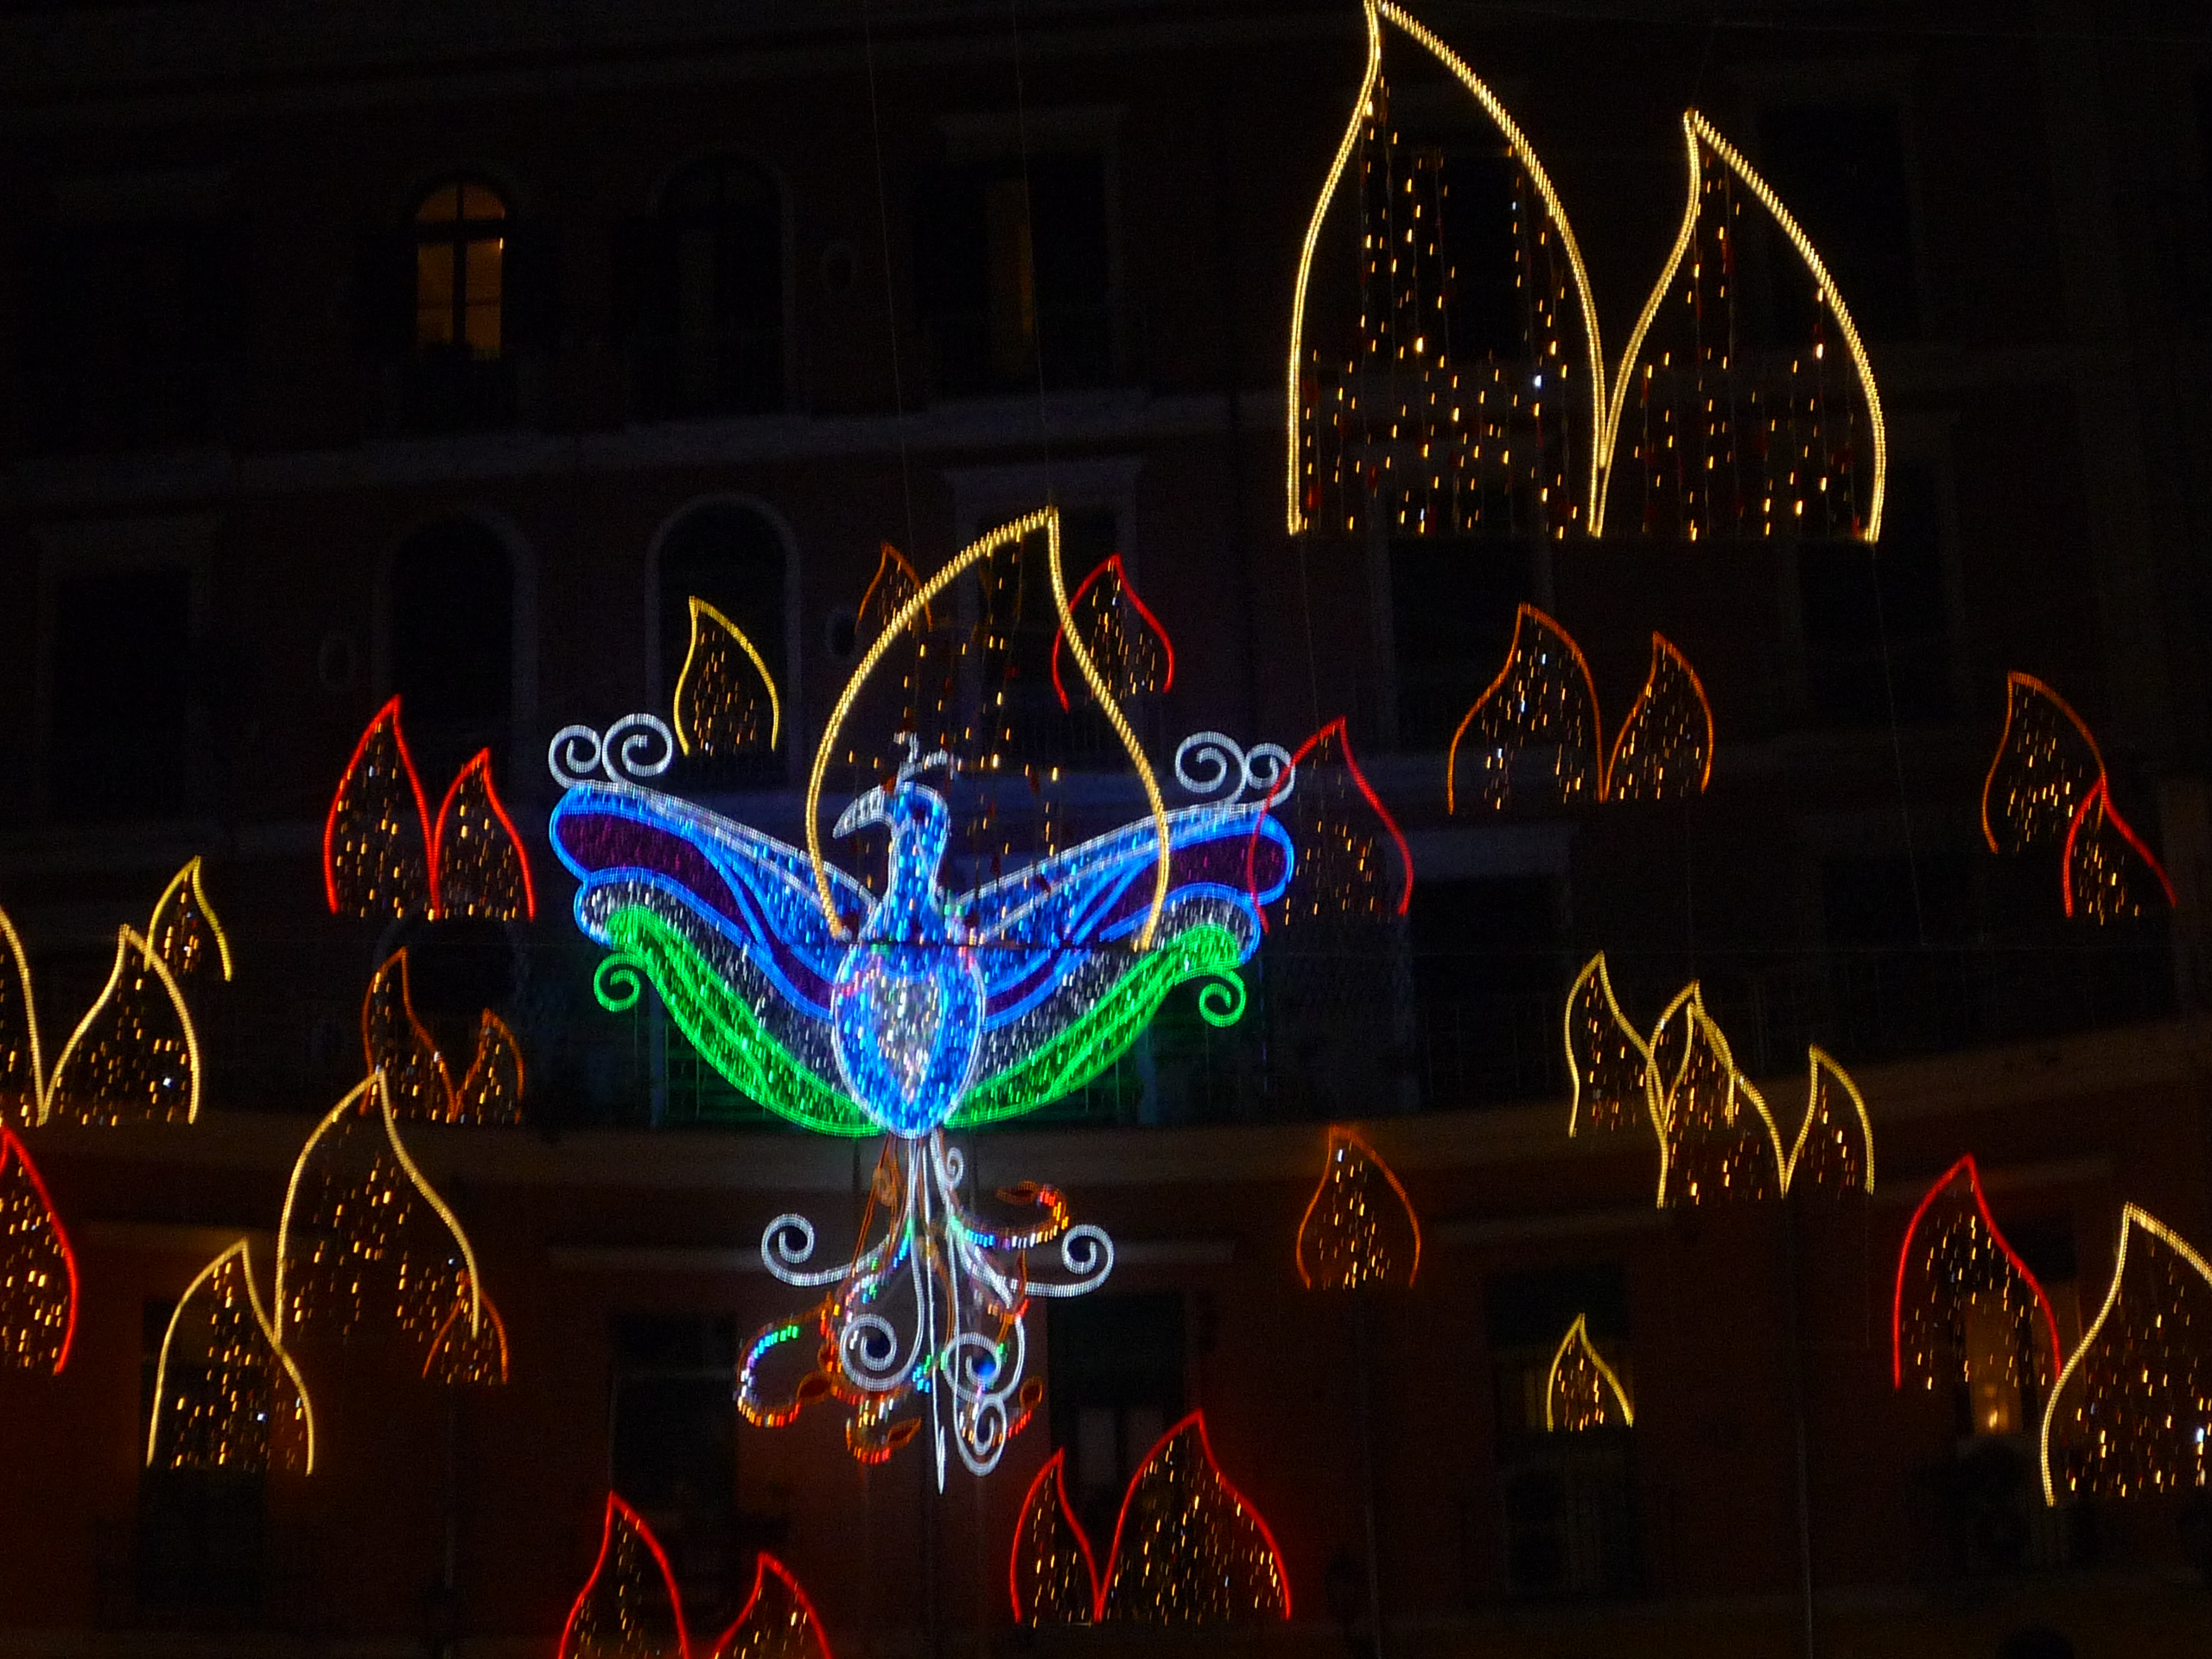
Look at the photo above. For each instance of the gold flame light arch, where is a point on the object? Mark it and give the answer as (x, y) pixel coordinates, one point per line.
(1378, 12)
(1010, 534)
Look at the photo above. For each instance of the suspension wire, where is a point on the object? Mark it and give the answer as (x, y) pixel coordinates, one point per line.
(890, 284)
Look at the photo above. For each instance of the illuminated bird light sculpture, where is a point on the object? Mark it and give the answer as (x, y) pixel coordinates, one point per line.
(912, 1012)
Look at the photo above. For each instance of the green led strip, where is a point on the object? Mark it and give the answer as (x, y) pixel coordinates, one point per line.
(721, 1028)
(1103, 1035)
(724, 1029)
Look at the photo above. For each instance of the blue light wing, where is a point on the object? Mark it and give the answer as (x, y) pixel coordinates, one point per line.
(631, 845)
(1036, 928)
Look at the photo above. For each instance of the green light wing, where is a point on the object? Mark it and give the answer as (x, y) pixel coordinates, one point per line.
(1090, 1044)
(714, 1013)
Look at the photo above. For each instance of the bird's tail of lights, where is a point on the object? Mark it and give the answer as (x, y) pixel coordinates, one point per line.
(924, 1325)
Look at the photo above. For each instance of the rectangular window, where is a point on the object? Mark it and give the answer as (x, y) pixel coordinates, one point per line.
(1839, 168)
(1014, 269)
(129, 336)
(1877, 620)
(202, 1533)
(119, 685)
(1115, 1387)
(673, 1449)
(1451, 609)
(1490, 969)
(1566, 1499)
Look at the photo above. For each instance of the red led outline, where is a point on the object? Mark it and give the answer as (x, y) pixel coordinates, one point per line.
(480, 761)
(1288, 774)
(2101, 791)
(765, 1565)
(9, 1144)
(1056, 1466)
(406, 765)
(499, 1328)
(606, 1543)
(1205, 1445)
(1128, 588)
(1346, 1133)
(1981, 1204)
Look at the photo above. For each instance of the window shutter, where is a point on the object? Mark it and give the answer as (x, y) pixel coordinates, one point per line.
(384, 294)
(530, 317)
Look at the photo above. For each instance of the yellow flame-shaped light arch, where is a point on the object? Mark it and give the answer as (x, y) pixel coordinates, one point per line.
(1378, 12)
(1048, 520)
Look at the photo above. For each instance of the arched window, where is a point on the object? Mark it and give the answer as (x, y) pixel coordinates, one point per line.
(706, 301)
(459, 259)
(448, 299)
(731, 555)
(450, 641)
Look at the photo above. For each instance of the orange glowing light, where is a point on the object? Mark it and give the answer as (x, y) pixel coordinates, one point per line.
(1542, 698)
(2046, 763)
(459, 1358)
(1663, 750)
(417, 1078)
(2047, 781)
(1359, 1227)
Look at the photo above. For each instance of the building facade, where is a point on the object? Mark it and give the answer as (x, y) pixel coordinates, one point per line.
(448, 358)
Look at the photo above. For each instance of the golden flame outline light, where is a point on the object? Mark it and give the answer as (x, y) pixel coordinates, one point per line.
(130, 942)
(2132, 1216)
(1008, 535)
(1578, 1061)
(1576, 1344)
(1518, 144)
(1821, 1065)
(373, 1087)
(240, 1251)
(702, 611)
(186, 895)
(22, 1068)
(1698, 131)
